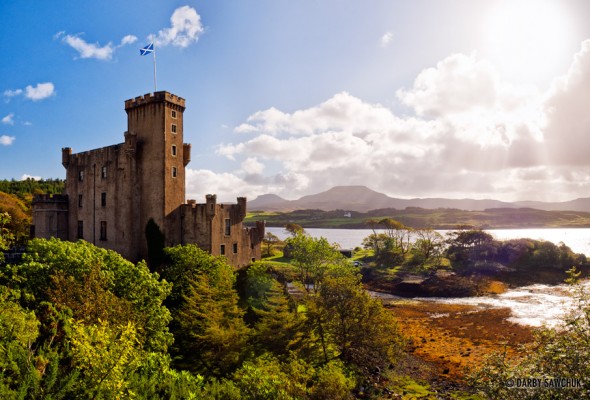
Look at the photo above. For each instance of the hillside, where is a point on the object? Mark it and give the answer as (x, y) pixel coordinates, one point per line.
(495, 218)
(363, 199)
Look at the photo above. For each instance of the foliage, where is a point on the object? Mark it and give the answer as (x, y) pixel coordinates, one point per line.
(20, 217)
(280, 328)
(212, 332)
(19, 329)
(270, 240)
(427, 250)
(315, 259)
(357, 327)
(105, 355)
(184, 264)
(294, 229)
(5, 235)
(53, 263)
(32, 186)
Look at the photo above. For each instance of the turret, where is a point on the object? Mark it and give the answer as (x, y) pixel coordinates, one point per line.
(66, 153)
(242, 207)
(211, 204)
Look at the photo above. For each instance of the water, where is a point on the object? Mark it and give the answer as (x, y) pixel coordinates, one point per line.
(533, 305)
(578, 239)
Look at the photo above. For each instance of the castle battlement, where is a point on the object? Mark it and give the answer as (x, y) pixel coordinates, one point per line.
(155, 98)
(50, 198)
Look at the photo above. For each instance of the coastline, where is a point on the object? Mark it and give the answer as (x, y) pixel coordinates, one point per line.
(455, 339)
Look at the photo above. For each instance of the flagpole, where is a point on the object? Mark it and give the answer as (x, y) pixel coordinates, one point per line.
(155, 81)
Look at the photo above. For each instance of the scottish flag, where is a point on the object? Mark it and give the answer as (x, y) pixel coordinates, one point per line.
(147, 49)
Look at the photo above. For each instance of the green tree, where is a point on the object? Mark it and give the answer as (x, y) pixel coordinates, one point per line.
(315, 258)
(353, 325)
(19, 329)
(294, 229)
(270, 239)
(279, 329)
(49, 265)
(106, 355)
(212, 333)
(428, 248)
(5, 235)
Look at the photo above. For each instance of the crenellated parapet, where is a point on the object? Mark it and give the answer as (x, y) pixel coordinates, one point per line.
(50, 198)
(156, 97)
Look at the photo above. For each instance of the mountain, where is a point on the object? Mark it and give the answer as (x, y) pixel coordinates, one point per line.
(363, 199)
(267, 202)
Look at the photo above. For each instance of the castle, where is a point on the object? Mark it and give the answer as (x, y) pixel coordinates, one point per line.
(113, 192)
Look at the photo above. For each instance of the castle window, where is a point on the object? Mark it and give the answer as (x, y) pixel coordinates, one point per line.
(103, 199)
(81, 176)
(103, 172)
(80, 230)
(80, 200)
(173, 113)
(235, 248)
(173, 128)
(103, 230)
(227, 227)
(174, 150)
(174, 172)
(222, 250)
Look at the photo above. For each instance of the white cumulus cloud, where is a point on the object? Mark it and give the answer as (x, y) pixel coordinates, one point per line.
(40, 92)
(93, 50)
(185, 28)
(6, 140)
(9, 119)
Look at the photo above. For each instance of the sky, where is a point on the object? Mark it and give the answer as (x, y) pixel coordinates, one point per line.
(422, 98)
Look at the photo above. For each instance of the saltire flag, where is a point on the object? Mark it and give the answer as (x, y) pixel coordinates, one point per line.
(147, 49)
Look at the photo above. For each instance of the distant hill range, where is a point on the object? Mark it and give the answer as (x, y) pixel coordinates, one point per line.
(363, 199)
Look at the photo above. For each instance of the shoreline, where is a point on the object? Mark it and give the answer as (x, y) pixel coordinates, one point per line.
(455, 339)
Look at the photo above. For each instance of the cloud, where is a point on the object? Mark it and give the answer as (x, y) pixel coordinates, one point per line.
(93, 50)
(185, 29)
(27, 176)
(13, 93)
(9, 119)
(40, 92)
(386, 39)
(472, 134)
(6, 140)
(129, 39)
(567, 120)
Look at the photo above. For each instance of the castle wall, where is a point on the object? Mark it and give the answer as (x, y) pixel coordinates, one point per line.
(219, 229)
(50, 214)
(102, 198)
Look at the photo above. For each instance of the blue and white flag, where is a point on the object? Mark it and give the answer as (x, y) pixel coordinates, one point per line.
(147, 49)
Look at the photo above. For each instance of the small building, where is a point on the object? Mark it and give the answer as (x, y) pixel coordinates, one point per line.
(111, 193)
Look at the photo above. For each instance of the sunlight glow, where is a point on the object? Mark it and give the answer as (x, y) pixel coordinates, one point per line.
(527, 39)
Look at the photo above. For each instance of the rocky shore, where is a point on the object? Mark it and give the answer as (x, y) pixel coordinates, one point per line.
(457, 338)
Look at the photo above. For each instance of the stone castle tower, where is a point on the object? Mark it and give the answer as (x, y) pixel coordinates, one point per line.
(111, 193)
